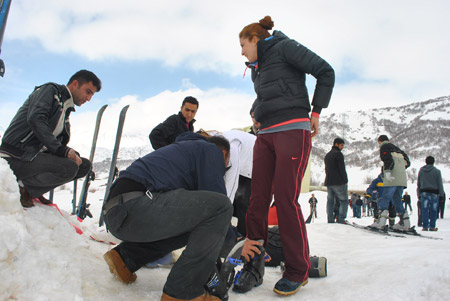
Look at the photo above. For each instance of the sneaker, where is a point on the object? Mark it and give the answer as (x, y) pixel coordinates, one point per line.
(433, 229)
(204, 297)
(25, 198)
(286, 287)
(118, 267)
(424, 229)
(251, 274)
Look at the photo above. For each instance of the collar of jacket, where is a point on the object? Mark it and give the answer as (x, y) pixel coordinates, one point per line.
(335, 147)
(184, 119)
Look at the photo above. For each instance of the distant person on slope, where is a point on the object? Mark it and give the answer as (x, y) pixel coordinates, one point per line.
(395, 162)
(336, 181)
(165, 133)
(429, 189)
(279, 66)
(407, 201)
(35, 143)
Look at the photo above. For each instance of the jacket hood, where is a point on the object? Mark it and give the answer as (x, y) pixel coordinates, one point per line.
(427, 168)
(189, 136)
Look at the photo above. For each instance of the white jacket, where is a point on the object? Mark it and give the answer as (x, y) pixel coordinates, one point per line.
(241, 158)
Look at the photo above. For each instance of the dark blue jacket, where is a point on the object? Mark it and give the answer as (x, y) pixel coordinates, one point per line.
(191, 163)
(376, 185)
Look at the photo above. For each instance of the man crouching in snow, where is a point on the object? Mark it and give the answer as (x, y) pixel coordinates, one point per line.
(170, 198)
(35, 143)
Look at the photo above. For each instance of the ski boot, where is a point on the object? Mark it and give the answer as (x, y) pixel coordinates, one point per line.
(251, 274)
(403, 224)
(223, 276)
(381, 223)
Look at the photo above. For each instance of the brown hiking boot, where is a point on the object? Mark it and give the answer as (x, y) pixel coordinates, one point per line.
(44, 200)
(118, 267)
(204, 297)
(25, 198)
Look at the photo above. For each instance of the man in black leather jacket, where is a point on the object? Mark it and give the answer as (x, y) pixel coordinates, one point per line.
(35, 143)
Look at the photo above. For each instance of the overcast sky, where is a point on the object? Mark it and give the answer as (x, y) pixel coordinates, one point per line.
(153, 53)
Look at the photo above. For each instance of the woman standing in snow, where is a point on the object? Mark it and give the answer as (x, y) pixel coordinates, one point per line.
(279, 66)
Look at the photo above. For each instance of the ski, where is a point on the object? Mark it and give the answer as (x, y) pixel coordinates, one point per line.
(74, 197)
(83, 207)
(4, 10)
(383, 231)
(112, 170)
(412, 231)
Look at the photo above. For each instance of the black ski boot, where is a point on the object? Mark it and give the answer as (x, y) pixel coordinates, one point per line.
(223, 276)
(251, 274)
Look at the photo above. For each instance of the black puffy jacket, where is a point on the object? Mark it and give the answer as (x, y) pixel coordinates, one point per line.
(279, 80)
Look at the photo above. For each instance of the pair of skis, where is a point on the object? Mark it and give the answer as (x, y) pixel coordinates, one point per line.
(82, 209)
(392, 232)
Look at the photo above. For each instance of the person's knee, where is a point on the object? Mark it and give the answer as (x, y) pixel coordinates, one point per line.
(224, 206)
(84, 168)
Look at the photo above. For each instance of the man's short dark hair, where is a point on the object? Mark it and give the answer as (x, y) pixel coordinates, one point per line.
(429, 160)
(221, 142)
(191, 100)
(338, 141)
(383, 138)
(85, 76)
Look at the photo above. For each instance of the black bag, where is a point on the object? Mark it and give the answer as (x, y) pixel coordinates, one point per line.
(275, 249)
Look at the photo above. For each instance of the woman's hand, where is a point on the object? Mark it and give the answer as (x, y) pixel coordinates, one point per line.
(250, 249)
(314, 126)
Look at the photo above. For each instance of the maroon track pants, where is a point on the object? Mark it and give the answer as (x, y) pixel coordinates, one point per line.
(281, 159)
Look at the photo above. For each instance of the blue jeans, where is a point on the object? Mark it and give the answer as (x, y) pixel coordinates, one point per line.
(339, 194)
(150, 228)
(394, 194)
(430, 203)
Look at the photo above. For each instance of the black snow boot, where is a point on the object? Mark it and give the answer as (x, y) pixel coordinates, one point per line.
(251, 274)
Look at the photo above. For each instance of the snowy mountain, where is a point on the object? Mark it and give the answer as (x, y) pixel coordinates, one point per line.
(420, 129)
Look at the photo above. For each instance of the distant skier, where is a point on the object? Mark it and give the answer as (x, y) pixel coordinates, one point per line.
(35, 143)
(166, 132)
(394, 180)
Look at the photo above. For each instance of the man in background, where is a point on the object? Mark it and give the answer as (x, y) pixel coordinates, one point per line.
(165, 133)
(336, 181)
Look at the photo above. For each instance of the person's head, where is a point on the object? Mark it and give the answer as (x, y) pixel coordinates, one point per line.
(224, 146)
(83, 85)
(251, 34)
(339, 143)
(189, 108)
(406, 192)
(429, 160)
(382, 138)
(312, 195)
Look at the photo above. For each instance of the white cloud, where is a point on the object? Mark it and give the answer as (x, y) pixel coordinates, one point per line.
(219, 109)
(392, 51)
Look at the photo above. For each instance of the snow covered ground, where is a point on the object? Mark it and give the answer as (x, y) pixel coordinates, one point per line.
(43, 258)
